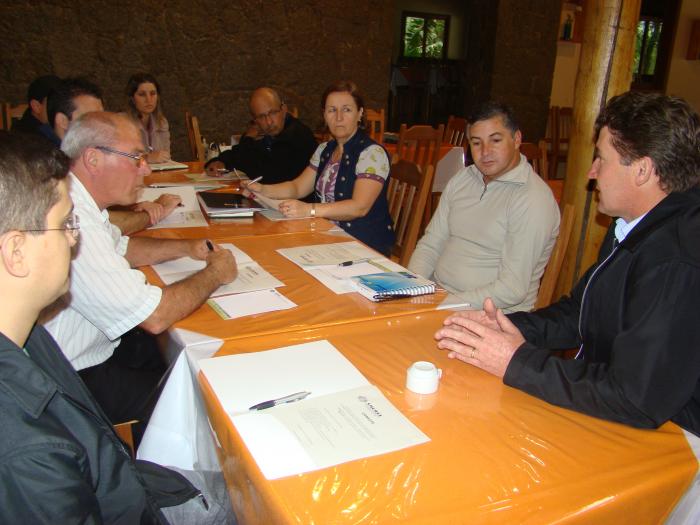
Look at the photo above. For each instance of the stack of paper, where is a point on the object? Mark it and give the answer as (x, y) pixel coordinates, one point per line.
(343, 419)
(168, 165)
(226, 176)
(328, 263)
(251, 276)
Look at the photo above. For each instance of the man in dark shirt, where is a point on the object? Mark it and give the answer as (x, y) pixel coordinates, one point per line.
(276, 146)
(634, 313)
(35, 120)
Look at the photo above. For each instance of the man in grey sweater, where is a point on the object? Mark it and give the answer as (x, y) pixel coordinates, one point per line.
(497, 221)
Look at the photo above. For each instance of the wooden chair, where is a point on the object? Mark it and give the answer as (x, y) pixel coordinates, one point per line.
(556, 259)
(456, 131)
(374, 124)
(194, 137)
(549, 137)
(408, 193)
(536, 155)
(421, 144)
(560, 141)
(293, 111)
(10, 112)
(124, 431)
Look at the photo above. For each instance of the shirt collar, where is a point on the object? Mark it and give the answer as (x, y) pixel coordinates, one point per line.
(622, 227)
(79, 191)
(519, 174)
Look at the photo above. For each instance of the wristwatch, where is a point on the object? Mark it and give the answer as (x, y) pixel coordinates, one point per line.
(313, 209)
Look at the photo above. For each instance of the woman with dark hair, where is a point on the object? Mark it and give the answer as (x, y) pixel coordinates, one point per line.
(144, 106)
(349, 175)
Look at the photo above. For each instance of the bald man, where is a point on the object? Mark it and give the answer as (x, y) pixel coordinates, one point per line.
(276, 146)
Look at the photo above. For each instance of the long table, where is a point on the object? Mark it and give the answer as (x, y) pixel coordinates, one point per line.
(496, 455)
(316, 304)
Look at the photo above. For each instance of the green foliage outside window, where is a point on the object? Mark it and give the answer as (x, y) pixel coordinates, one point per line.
(424, 37)
(646, 47)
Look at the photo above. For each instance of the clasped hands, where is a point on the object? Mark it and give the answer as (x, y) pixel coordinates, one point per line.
(483, 338)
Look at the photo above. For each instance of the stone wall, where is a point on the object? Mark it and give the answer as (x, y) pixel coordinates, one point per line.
(207, 55)
(510, 57)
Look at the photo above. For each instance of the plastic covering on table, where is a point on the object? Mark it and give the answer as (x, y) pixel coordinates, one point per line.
(316, 304)
(496, 455)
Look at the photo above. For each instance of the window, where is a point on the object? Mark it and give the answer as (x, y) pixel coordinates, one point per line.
(654, 41)
(647, 47)
(424, 35)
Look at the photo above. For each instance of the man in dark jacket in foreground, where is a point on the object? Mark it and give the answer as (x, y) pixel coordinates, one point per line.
(60, 460)
(634, 314)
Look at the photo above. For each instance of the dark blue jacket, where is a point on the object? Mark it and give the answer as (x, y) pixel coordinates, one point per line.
(374, 229)
(60, 459)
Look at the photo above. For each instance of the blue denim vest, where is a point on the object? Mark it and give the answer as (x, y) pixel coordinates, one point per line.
(374, 229)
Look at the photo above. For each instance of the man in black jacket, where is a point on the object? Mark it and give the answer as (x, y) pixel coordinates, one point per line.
(276, 146)
(60, 460)
(634, 314)
(35, 118)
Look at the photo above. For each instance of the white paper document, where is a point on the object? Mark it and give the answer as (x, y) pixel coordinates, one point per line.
(343, 419)
(251, 276)
(323, 263)
(324, 254)
(198, 186)
(168, 165)
(228, 176)
(250, 303)
(337, 278)
(188, 215)
(275, 215)
(268, 202)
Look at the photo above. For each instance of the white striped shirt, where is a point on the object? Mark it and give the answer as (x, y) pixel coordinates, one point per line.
(107, 297)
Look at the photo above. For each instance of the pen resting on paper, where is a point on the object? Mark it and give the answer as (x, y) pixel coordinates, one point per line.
(291, 398)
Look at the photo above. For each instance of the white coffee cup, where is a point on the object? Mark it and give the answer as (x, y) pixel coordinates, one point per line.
(423, 377)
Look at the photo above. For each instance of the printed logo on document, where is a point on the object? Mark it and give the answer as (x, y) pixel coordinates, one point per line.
(363, 399)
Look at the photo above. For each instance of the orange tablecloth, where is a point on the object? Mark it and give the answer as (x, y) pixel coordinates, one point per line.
(317, 305)
(496, 455)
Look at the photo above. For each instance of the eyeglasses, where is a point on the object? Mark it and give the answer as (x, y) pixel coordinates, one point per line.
(262, 117)
(71, 225)
(140, 158)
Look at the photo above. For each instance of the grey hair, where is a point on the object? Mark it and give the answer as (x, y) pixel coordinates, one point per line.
(92, 129)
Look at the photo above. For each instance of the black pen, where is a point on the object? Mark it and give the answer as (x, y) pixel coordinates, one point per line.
(380, 297)
(291, 398)
(210, 245)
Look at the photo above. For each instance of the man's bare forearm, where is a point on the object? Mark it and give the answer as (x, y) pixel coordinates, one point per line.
(129, 221)
(144, 251)
(181, 299)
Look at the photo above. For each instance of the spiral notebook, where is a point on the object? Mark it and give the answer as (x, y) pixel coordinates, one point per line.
(392, 285)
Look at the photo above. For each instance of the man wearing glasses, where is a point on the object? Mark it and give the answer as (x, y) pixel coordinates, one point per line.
(108, 298)
(74, 97)
(60, 461)
(276, 146)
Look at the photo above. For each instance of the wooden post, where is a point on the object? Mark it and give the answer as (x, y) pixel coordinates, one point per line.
(605, 70)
